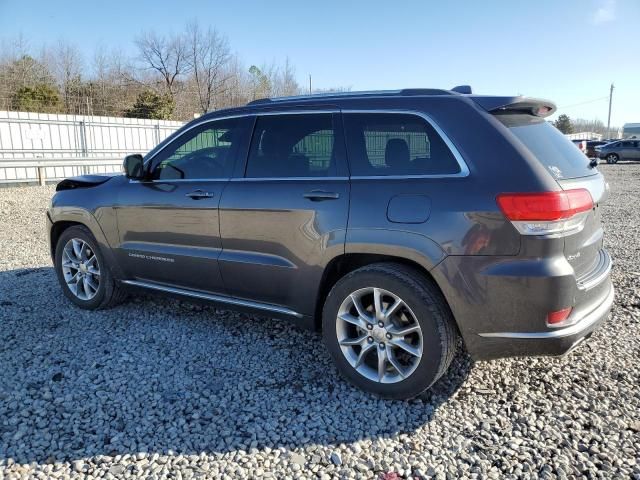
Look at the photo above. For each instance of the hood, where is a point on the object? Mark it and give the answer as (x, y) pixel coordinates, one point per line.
(84, 181)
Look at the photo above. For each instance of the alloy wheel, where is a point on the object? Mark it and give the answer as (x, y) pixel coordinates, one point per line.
(379, 335)
(80, 269)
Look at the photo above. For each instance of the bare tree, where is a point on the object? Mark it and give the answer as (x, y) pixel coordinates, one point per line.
(284, 83)
(207, 58)
(194, 69)
(166, 56)
(109, 91)
(67, 64)
(238, 89)
(19, 67)
(13, 48)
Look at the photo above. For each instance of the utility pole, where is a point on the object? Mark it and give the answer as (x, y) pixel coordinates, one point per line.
(309, 84)
(609, 118)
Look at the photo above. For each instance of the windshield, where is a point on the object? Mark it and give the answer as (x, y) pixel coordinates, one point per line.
(545, 142)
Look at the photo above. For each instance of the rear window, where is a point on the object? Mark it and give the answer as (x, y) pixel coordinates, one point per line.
(545, 142)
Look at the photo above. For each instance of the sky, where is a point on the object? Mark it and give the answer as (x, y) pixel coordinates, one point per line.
(567, 51)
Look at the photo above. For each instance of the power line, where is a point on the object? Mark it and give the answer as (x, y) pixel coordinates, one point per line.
(584, 103)
(610, 100)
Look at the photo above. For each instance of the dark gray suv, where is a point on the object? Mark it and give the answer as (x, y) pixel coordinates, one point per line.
(395, 222)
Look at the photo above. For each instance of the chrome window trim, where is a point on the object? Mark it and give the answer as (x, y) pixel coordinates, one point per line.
(262, 179)
(241, 179)
(464, 169)
(408, 177)
(182, 180)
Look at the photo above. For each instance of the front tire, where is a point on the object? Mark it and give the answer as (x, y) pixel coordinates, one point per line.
(82, 272)
(389, 330)
(612, 158)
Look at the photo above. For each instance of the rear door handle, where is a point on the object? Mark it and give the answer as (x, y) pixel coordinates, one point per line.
(319, 195)
(198, 194)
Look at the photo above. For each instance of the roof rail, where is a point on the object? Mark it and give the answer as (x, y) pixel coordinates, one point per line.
(401, 92)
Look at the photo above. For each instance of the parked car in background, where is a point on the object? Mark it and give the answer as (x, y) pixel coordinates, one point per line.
(620, 150)
(589, 147)
(371, 216)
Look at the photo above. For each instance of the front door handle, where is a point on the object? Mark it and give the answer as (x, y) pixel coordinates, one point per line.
(198, 194)
(319, 195)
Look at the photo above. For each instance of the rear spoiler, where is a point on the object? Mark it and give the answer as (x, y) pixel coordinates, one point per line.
(523, 105)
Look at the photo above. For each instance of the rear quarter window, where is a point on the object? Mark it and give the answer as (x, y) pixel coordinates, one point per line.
(382, 144)
(549, 146)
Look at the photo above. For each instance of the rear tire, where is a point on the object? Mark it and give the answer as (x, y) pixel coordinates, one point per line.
(612, 158)
(85, 278)
(358, 332)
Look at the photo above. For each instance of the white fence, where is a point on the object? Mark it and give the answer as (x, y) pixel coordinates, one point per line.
(37, 146)
(42, 135)
(41, 171)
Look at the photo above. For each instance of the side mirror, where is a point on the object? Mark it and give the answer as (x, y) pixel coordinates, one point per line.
(134, 166)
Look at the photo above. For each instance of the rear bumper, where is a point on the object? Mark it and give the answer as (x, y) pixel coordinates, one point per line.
(501, 303)
(550, 342)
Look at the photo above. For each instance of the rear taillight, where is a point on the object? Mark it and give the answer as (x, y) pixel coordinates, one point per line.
(554, 319)
(547, 213)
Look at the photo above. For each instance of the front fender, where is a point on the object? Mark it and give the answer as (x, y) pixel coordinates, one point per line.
(73, 214)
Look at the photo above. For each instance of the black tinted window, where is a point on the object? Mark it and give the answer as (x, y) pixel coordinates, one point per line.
(207, 151)
(295, 145)
(548, 145)
(396, 144)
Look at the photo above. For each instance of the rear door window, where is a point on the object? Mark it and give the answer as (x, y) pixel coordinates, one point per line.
(549, 146)
(293, 145)
(382, 144)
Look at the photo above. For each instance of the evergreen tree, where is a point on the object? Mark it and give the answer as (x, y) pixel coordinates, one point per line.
(563, 123)
(151, 105)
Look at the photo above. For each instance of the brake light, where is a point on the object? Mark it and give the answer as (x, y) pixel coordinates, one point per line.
(546, 213)
(543, 111)
(559, 316)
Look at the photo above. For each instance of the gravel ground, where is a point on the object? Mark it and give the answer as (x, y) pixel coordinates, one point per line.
(165, 389)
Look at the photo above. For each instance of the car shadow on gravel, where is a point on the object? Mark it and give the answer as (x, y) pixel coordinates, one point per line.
(162, 376)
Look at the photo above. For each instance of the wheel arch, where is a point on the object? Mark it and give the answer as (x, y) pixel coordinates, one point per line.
(342, 265)
(63, 218)
(57, 229)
